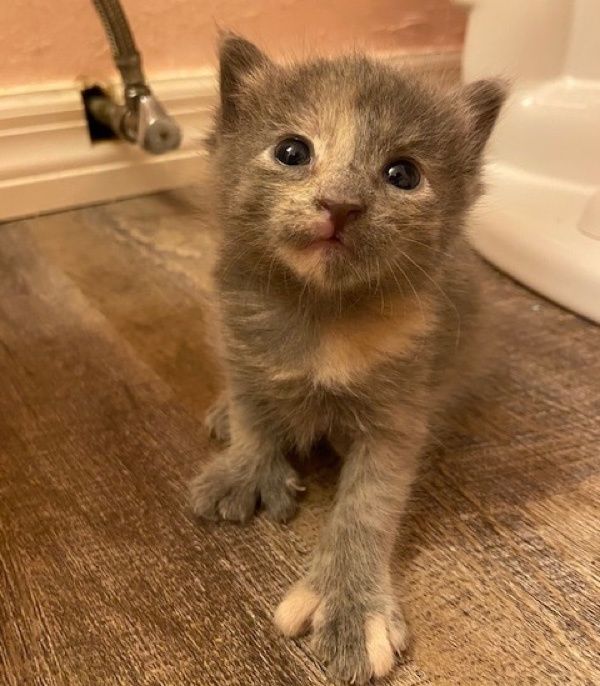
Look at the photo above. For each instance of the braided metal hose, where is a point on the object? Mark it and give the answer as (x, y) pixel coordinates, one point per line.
(142, 119)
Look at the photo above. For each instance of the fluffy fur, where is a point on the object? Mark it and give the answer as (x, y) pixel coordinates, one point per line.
(362, 344)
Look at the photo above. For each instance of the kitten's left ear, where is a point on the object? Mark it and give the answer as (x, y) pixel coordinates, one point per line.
(238, 58)
(483, 101)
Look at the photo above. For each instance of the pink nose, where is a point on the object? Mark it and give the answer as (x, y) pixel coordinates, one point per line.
(342, 211)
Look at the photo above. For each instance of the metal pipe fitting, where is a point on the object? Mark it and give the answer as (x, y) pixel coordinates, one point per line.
(141, 119)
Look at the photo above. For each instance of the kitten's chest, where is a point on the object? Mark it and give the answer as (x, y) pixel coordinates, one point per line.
(333, 353)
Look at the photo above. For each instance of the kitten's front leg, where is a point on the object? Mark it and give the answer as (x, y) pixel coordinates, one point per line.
(252, 468)
(346, 596)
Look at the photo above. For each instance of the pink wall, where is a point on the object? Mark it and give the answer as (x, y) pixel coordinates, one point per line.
(61, 40)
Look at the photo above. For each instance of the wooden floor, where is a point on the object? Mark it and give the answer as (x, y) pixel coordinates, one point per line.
(105, 578)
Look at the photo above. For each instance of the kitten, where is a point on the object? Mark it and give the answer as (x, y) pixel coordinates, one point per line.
(343, 187)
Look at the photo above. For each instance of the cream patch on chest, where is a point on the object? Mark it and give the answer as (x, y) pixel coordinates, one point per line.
(353, 345)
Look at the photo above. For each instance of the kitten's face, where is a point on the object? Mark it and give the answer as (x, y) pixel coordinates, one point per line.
(345, 172)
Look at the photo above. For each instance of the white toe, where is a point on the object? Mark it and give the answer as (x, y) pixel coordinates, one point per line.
(379, 648)
(295, 611)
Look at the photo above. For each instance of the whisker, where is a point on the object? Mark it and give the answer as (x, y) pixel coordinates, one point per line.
(369, 279)
(258, 264)
(237, 260)
(271, 265)
(381, 293)
(414, 290)
(303, 290)
(424, 245)
(441, 290)
(393, 273)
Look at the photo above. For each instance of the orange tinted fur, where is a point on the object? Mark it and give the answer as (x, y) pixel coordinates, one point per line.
(354, 344)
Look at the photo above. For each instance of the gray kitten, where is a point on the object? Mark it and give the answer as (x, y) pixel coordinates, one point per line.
(341, 282)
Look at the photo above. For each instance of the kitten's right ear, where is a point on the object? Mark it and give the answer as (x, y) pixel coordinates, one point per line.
(238, 58)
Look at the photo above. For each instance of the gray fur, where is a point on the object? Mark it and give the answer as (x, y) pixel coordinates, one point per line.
(283, 323)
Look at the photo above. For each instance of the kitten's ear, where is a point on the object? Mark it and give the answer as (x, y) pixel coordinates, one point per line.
(237, 59)
(483, 101)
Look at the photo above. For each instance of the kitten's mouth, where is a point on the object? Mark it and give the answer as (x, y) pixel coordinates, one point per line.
(316, 246)
(334, 243)
(318, 258)
(325, 235)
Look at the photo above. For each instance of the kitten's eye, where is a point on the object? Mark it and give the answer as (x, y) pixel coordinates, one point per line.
(403, 174)
(292, 152)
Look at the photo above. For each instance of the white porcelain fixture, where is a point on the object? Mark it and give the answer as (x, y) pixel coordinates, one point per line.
(540, 220)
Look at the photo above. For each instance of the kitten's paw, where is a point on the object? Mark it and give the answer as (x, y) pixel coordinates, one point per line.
(221, 493)
(216, 420)
(279, 487)
(231, 489)
(354, 644)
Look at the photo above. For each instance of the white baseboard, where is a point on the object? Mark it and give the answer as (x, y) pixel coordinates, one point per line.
(48, 163)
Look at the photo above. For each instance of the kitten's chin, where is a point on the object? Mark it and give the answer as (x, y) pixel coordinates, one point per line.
(324, 263)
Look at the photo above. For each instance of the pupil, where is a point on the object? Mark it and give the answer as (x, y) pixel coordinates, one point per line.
(292, 152)
(403, 175)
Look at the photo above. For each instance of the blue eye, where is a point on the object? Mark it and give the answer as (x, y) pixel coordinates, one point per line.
(403, 174)
(292, 152)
